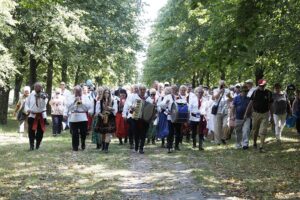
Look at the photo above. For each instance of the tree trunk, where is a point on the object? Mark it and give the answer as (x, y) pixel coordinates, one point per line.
(207, 79)
(4, 94)
(259, 74)
(194, 81)
(18, 84)
(77, 75)
(49, 83)
(64, 70)
(223, 74)
(32, 71)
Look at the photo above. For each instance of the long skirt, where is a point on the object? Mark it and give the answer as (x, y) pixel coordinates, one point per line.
(96, 139)
(121, 126)
(106, 127)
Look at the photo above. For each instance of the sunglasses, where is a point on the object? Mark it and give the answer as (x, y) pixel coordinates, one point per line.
(152, 94)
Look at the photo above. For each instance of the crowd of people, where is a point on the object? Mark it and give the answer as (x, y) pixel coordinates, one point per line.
(166, 113)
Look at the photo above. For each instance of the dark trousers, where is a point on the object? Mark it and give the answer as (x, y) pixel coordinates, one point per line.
(195, 128)
(298, 125)
(78, 128)
(131, 130)
(35, 135)
(141, 133)
(57, 124)
(174, 131)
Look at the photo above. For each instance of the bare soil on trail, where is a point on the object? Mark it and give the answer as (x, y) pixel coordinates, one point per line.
(158, 175)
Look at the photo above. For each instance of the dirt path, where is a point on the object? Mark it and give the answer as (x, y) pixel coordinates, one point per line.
(158, 175)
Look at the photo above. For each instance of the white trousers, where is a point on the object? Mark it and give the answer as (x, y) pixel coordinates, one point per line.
(279, 122)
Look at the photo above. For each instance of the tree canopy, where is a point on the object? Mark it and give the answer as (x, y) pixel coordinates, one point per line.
(201, 41)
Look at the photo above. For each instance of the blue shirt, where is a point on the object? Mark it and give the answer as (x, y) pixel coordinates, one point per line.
(240, 103)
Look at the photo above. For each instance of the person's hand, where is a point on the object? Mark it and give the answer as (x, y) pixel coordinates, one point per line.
(65, 118)
(14, 114)
(29, 111)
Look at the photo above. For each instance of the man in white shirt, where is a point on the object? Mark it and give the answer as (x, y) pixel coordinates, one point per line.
(138, 127)
(76, 109)
(35, 106)
(127, 115)
(66, 95)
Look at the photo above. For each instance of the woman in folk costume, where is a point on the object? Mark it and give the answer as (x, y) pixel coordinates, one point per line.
(57, 104)
(76, 109)
(174, 128)
(163, 115)
(184, 129)
(88, 97)
(121, 124)
(20, 111)
(138, 126)
(153, 124)
(96, 137)
(106, 120)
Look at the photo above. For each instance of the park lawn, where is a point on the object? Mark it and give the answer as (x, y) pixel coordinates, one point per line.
(248, 173)
(55, 171)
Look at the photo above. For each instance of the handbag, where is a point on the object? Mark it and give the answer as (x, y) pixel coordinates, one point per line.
(214, 109)
(163, 128)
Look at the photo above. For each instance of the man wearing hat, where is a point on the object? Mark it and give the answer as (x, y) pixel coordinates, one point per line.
(250, 86)
(261, 101)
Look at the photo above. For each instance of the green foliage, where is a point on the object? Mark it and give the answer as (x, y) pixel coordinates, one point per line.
(7, 69)
(89, 39)
(201, 41)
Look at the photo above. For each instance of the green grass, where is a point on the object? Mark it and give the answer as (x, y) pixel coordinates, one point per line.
(248, 173)
(55, 171)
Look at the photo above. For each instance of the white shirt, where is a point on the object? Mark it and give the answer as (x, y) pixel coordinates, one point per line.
(77, 113)
(34, 106)
(250, 92)
(57, 104)
(223, 108)
(167, 106)
(130, 102)
(66, 93)
(194, 109)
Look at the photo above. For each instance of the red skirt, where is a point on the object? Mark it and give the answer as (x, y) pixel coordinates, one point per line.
(121, 126)
(90, 121)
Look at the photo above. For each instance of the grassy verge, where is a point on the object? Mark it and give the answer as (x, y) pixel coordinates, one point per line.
(55, 172)
(248, 173)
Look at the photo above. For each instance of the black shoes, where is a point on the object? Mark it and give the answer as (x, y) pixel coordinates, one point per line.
(98, 146)
(177, 149)
(245, 147)
(141, 151)
(223, 141)
(255, 146)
